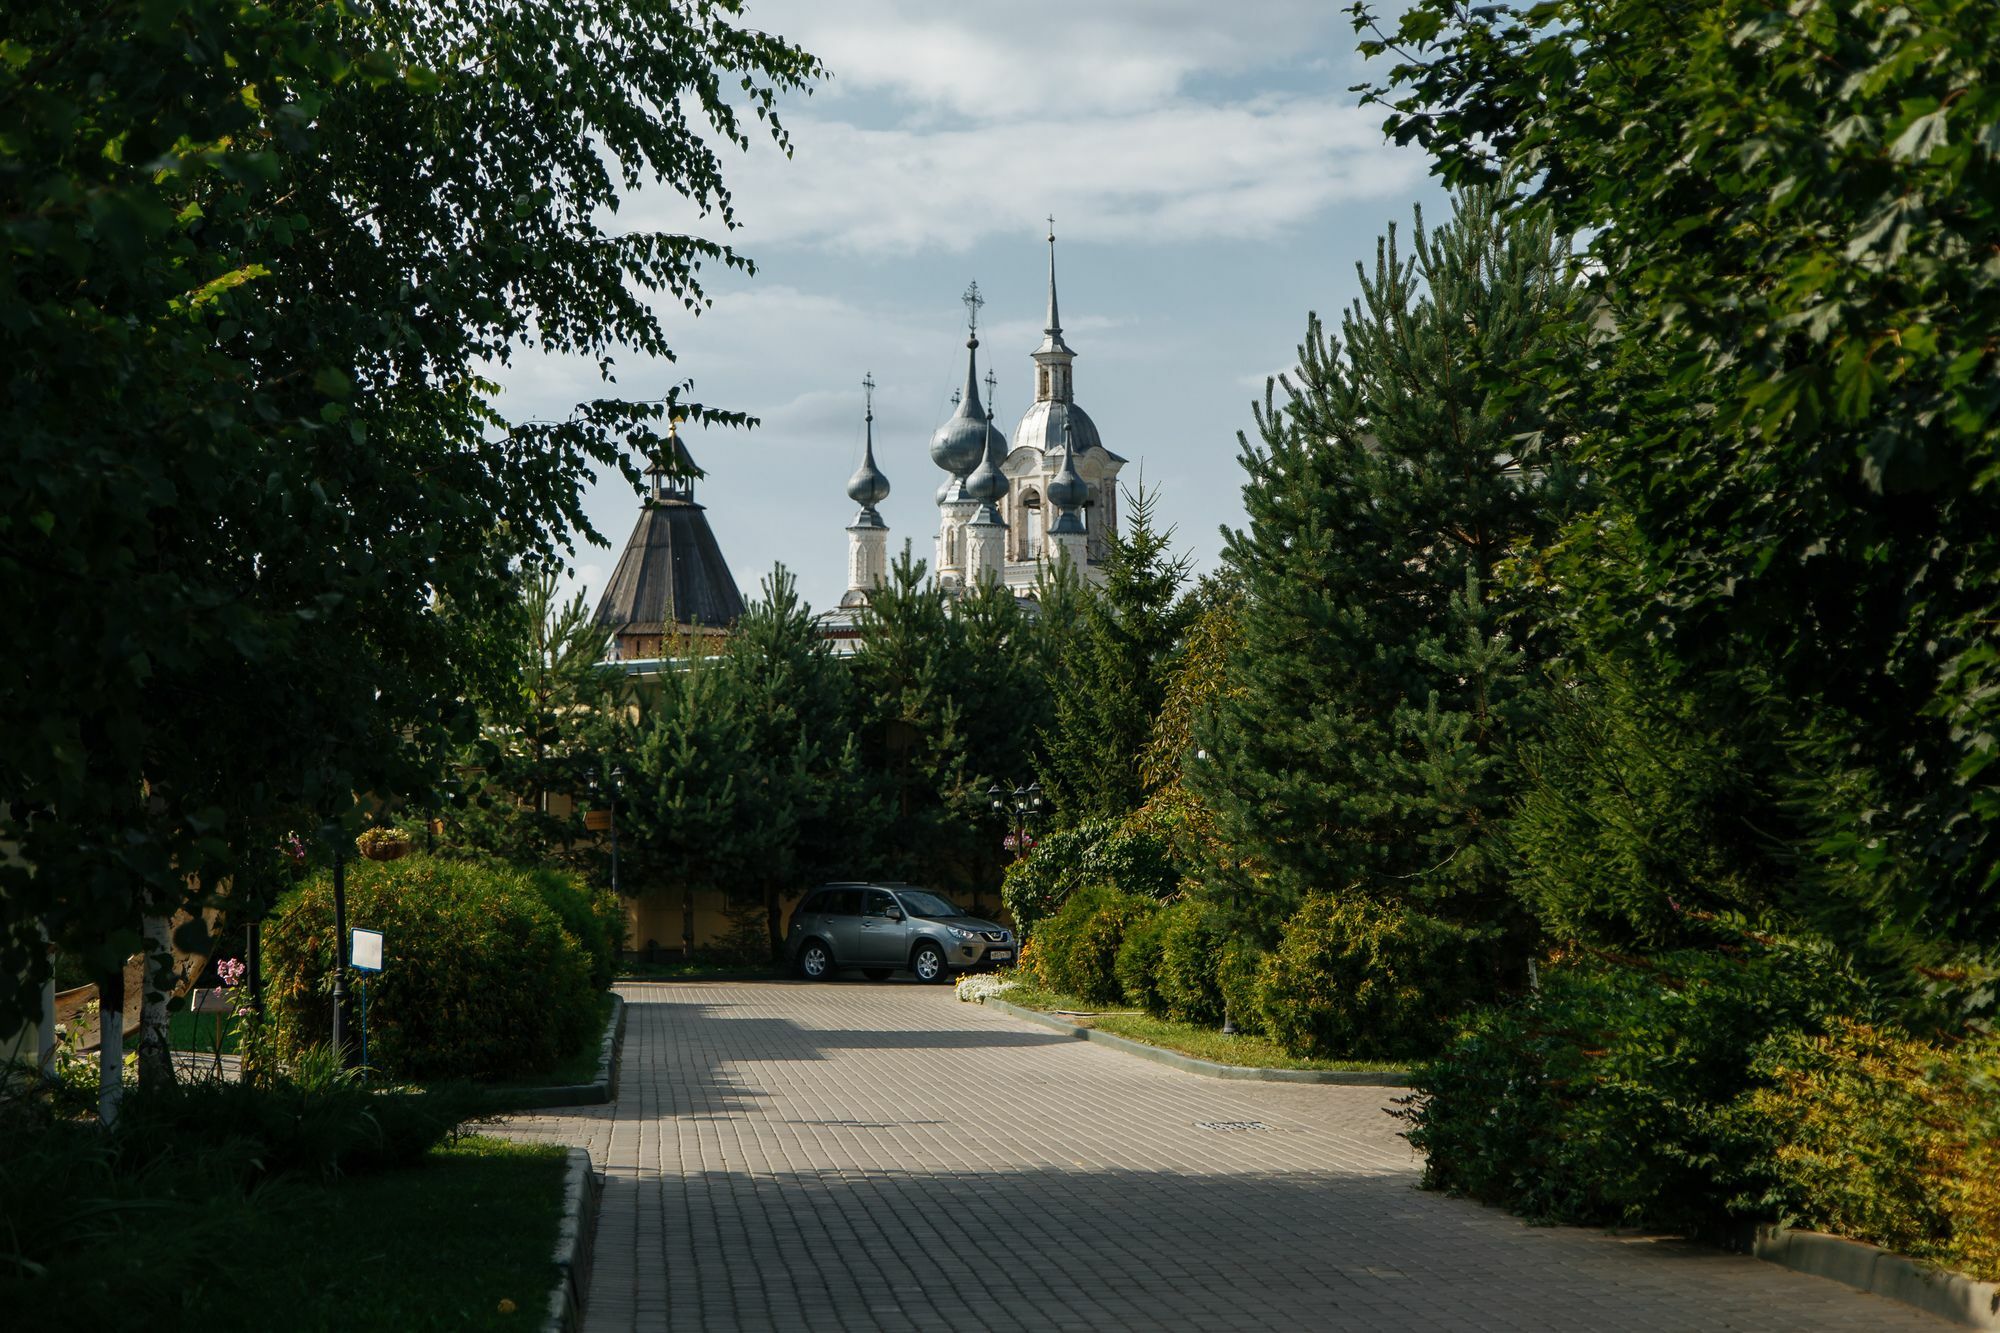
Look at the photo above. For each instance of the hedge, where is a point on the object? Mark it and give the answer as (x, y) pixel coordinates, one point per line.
(1352, 979)
(1076, 950)
(482, 978)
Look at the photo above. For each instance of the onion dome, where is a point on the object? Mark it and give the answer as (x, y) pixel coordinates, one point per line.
(986, 484)
(1067, 492)
(868, 487)
(960, 443)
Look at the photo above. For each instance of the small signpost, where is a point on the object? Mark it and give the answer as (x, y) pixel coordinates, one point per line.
(365, 956)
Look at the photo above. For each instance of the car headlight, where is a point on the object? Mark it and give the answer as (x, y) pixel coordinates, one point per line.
(964, 934)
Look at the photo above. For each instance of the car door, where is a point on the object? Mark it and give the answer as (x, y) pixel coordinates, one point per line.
(884, 932)
(840, 924)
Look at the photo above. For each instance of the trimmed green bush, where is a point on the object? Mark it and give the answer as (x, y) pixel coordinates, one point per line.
(1138, 965)
(1605, 1096)
(1077, 948)
(481, 981)
(1242, 967)
(1095, 851)
(594, 916)
(1189, 981)
(1352, 979)
(1885, 1138)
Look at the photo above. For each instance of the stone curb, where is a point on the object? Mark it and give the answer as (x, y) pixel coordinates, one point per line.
(1865, 1267)
(1353, 1078)
(595, 1093)
(574, 1247)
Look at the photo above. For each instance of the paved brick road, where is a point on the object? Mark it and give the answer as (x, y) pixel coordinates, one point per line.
(852, 1156)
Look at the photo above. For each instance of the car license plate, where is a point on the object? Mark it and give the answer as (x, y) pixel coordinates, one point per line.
(1001, 955)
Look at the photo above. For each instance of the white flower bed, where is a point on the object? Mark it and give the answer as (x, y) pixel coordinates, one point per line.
(980, 986)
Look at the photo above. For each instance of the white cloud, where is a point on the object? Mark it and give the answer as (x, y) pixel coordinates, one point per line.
(1183, 171)
(1042, 59)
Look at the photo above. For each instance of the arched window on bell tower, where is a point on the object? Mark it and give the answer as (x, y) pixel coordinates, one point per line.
(1028, 526)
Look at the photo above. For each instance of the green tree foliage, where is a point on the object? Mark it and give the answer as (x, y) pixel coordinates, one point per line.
(1360, 745)
(1637, 815)
(257, 258)
(947, 695)
(547, 723)
(743, 770)
(1796, 415)
(1107, 676)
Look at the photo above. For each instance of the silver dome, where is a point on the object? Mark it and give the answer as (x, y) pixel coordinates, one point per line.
(868, 487)
(1042, 427)
(1067, 492)
(960, 443)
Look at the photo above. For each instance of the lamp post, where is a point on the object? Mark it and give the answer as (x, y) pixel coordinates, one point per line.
(1023, 806)
(617, 779)
(339, 950)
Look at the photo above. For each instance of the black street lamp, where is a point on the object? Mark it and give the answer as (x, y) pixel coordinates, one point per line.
(615, 778)
(1023, 806)
(339, 948)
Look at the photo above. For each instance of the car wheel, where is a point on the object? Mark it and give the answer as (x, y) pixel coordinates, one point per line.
(877, 973)
(815, 963)
(928, 963)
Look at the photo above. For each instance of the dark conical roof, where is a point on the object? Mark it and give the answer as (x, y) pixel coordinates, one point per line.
(672, 575)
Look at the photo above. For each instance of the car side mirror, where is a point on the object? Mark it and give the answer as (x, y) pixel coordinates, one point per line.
(894, 915)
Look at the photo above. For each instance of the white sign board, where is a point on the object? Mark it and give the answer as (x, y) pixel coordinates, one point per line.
(366, 954)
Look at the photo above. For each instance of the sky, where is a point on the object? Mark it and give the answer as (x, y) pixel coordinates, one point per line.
(1211, 179)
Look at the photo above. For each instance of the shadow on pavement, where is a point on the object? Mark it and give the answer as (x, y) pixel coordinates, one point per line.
(1046, 1249)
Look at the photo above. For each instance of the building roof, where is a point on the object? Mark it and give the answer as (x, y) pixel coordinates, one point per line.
(671, 575)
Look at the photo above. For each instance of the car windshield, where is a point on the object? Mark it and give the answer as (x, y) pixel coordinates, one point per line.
(918, 903)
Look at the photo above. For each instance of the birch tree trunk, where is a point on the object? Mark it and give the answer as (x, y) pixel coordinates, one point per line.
(110, 1045)
(156, 1060)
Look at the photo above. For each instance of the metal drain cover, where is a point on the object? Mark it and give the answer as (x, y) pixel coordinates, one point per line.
(1230, 1126)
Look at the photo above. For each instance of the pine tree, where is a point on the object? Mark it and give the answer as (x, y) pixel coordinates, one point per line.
(544, 721)
(1108, 673)
(1361, 744)
(798, 705)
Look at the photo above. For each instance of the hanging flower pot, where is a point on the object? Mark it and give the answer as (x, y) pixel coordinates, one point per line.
(384, 844)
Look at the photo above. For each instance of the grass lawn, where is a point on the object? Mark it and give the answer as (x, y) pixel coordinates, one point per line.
(438, 1246)
(196, 1032)
(1187, 1038)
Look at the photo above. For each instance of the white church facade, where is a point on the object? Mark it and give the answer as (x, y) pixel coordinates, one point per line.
(1008, 509)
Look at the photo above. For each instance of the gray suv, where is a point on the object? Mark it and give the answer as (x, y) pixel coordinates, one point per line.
(881, 927)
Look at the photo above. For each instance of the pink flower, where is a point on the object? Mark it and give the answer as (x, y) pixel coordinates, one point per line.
(230, 970)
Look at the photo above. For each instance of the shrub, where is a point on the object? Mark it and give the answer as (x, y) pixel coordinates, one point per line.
(1077, 948)
(1242, 967)
(1884, 1138)
(1353, 979)
(1189, 981)
(482, 980)
(318, 1119)
(593, 915)
(1138, 965)
(1095, 851)
(1603, 1098)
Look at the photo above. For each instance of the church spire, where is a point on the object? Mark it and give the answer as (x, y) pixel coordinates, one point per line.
(1054, 327)
(1053, 357)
